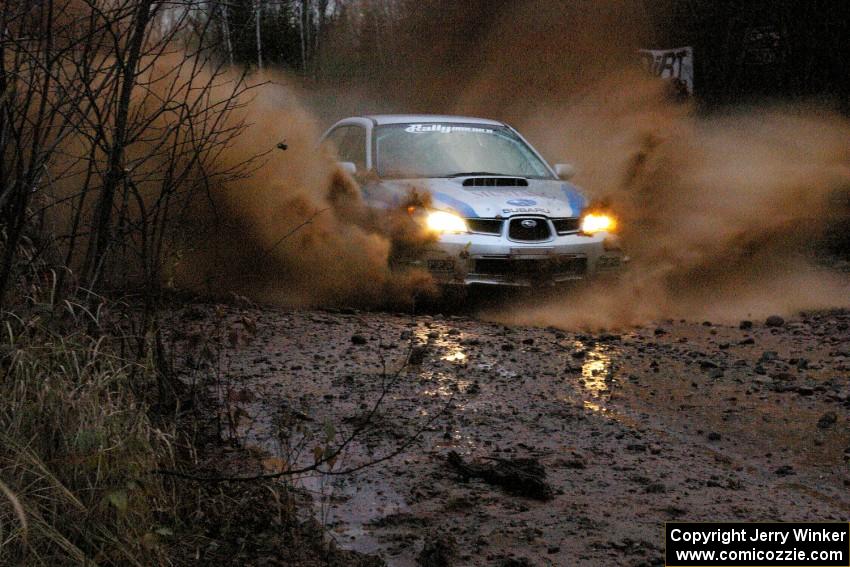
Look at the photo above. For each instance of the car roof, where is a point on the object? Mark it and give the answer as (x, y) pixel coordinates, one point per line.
(407, 118)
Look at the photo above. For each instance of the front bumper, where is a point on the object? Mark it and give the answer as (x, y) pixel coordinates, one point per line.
(465, 259)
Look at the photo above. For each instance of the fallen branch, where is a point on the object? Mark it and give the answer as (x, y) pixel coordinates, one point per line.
(522, 477)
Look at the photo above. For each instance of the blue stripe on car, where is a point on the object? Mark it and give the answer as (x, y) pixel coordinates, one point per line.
(575, 199)
(465, 210)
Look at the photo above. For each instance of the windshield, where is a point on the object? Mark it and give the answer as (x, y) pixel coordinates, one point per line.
(407, 151)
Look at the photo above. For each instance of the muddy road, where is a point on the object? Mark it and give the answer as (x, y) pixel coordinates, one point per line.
(684, 420)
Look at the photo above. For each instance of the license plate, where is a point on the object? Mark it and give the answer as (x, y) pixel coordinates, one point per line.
(533, 252)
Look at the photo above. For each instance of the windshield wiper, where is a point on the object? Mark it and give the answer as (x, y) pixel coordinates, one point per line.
(471, 173)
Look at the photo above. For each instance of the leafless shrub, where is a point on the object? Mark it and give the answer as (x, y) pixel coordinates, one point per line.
(110, 125)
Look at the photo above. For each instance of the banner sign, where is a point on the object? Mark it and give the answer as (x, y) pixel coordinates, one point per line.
(676, 65)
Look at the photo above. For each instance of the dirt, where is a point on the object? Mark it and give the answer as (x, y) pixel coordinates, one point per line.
(680, 420)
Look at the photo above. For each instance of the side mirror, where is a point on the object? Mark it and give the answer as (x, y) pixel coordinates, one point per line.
(565, 170)
(347, 166)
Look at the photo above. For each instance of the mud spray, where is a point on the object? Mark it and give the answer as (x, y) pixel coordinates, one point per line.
(295, 231)
(721, 215)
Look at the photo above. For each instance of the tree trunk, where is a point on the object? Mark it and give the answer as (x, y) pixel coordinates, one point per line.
(258, 14)
(115, 169)
(301, 10)
(225, 29)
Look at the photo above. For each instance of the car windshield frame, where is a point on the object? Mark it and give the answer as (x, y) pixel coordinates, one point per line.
(527, 151)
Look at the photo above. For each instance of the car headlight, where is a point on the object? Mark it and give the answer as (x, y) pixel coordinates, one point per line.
(441, 221)
(593, 223)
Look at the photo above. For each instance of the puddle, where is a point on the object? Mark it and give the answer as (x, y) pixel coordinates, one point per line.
(455, 361)
(348, 507)
(597, 376)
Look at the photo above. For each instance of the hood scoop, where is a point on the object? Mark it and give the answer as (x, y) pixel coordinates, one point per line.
(495, 182)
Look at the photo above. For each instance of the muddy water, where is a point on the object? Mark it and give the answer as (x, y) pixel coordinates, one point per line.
(680, 420)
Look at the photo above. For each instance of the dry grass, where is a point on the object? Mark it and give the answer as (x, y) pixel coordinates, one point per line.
(76, 446)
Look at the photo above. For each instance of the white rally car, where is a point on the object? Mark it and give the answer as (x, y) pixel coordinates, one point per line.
(502, 215)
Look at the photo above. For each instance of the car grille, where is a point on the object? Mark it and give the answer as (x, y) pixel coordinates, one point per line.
(566, 226)
(495, 182)
(485, 226)
(540, 230)
(552, 267)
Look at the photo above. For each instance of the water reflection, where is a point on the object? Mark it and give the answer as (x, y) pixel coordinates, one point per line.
(448, 377)
(441, 339)
(597, 375)
(456, 355)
